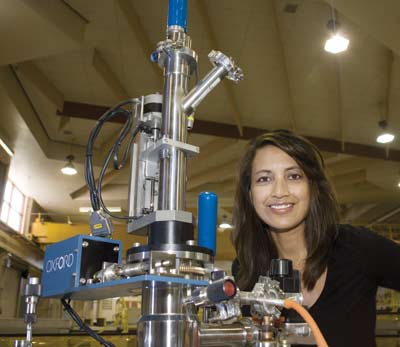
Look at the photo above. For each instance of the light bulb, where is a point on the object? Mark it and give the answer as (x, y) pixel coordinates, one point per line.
(385, 138)
(225, 225)
(69, 169)
(336, 44)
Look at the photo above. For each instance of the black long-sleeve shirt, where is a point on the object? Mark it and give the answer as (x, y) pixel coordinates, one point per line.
(360, 261)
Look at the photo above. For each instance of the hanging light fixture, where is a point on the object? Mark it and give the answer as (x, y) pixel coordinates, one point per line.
(69, 167)
(225, 225)
(336, 43)
(384, 136)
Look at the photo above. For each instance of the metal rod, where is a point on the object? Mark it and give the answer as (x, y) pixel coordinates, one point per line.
(206, 85)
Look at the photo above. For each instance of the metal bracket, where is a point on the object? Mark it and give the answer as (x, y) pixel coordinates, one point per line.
(139, 225)
(165, 144)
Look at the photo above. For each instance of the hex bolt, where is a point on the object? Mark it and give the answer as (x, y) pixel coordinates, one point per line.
(116, 249)
(85, 244)
(82, 280)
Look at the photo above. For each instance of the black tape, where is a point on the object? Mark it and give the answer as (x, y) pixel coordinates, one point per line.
(152, 107)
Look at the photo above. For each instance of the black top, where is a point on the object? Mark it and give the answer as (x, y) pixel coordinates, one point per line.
(360, 261)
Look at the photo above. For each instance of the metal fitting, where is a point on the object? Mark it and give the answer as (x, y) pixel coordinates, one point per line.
(235, 73)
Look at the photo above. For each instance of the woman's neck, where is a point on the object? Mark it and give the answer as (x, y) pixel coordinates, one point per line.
(291, 245)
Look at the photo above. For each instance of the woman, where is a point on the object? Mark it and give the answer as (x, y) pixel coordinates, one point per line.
(286, 208)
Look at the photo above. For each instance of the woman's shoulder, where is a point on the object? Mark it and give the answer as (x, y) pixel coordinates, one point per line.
(353, 242)
(362, 242)
(355, 235)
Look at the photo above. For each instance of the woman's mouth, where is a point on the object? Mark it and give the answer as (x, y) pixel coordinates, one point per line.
(281, 208)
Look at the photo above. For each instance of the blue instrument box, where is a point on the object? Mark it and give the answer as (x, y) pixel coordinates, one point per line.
(70, 263)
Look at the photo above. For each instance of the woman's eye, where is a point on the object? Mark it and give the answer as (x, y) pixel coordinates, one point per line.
(295, 176)
(263, 179)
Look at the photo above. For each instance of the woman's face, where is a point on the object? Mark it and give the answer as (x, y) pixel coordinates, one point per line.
(279, 190)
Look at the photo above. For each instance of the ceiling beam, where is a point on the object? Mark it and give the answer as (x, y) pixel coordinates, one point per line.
(356, 211)
(60, 16)
(210, 34)
(108, 76)
(196, 164)
(30, 21)
(364, 195)
(135, 23)
(25, 109)
(87, 111)
(386, 216)
(218, 174)
(30, 71)
(215, 146)
(108, 178)
(349, 178)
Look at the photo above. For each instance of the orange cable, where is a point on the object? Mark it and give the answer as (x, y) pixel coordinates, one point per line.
(290, 304)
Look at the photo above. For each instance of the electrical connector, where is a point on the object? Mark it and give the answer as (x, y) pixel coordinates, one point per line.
(101, 224)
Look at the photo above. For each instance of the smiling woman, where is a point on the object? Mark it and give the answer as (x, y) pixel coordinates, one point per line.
(283, 187)
(279, 190)
(286, 208)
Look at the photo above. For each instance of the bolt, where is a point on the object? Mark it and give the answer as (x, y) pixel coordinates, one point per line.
(136, 244)
(82, 280)
(116, 249)
(85, 244)
(191, 242)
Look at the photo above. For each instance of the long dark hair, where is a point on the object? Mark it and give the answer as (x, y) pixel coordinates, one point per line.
(252, 239)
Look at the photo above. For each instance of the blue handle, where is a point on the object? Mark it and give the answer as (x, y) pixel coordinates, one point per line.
(207, 220)
(177, 13)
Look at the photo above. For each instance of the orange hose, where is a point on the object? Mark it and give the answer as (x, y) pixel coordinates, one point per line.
(319, 338)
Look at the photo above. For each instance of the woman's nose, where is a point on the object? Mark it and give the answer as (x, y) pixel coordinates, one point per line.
(280, 188)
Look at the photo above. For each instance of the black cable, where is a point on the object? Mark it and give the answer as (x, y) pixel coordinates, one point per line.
(81, 324)
(95, 190)
(103, 170)
(89, 175)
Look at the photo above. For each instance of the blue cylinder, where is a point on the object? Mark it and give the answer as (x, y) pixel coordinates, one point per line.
(177, 13)
(207, 220)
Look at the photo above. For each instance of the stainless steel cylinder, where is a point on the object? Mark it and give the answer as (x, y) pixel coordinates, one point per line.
(178, 65)
(223, 335)
(164, 322)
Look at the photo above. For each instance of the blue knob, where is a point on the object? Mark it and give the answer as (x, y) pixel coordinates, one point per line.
(207, 220)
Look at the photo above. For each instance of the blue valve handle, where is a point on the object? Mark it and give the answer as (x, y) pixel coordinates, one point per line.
(207, 222)
(177, 13)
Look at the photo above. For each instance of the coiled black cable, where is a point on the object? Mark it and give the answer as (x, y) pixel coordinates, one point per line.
(95, 190)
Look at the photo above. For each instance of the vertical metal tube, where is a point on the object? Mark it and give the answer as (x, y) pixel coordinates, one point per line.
(29, 333)
(133, 181)
(173, 163)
